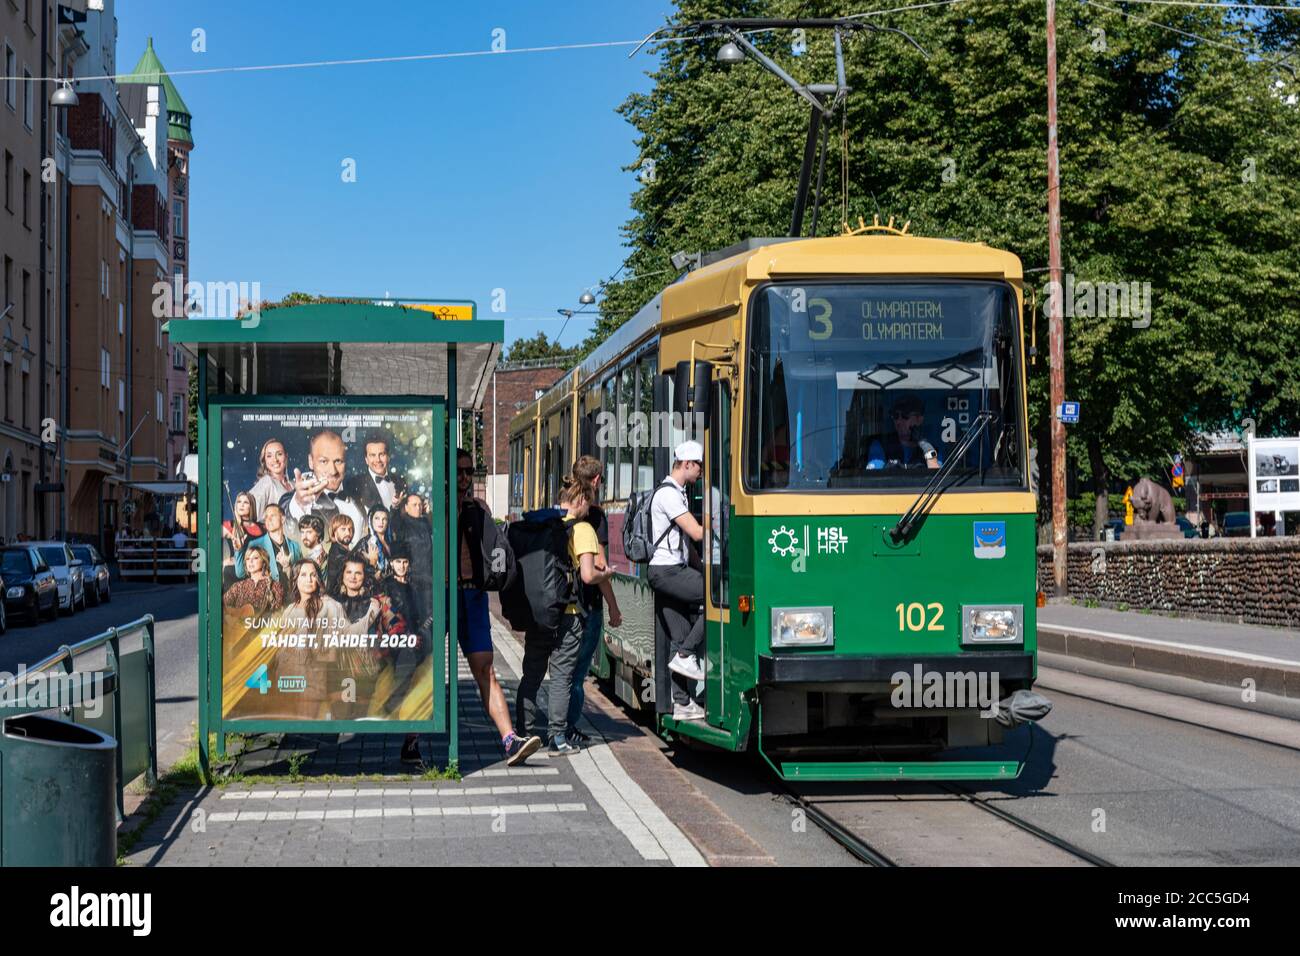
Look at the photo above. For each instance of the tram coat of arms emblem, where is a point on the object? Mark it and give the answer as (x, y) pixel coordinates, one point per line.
(990, 539)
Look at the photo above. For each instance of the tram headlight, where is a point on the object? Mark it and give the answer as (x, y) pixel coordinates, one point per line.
(803, 627)
(992, 624)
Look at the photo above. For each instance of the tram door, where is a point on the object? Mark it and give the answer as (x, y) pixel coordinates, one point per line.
(717, 518)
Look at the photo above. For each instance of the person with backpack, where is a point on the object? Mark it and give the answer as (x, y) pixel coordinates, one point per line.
(474, 631)
(672, 576)
(557, 552)
(589, 471)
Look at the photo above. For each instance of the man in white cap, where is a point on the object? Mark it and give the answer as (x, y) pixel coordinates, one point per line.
(672, 576)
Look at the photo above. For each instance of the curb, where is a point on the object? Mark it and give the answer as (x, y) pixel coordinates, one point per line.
(1223, 668)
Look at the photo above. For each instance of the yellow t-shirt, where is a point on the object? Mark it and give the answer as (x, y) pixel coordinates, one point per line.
(582, 541)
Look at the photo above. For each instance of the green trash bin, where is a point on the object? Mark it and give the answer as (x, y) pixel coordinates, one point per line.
(58, 785)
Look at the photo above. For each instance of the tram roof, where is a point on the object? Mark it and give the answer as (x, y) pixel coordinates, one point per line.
(335, 348)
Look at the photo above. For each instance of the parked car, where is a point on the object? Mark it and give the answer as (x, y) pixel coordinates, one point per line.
(95, 571)
(29, 585)
(68, 572)
(1236, 524)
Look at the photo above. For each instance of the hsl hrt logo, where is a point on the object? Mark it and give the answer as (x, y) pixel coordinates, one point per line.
(260, 681)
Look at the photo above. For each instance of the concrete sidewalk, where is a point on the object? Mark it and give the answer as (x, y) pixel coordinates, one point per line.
(1208, 651)
(584, 810)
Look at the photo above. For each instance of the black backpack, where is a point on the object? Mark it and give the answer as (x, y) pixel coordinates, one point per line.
(639, 543)
(490, 554)
(546, 582)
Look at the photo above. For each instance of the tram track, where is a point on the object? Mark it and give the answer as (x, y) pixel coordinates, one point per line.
(934, 826)
(1061, 843)
(846, 838)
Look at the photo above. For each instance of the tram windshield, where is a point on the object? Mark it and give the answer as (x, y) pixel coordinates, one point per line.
(869, 385)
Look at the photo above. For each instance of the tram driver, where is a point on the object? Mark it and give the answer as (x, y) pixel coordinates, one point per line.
(904, 447)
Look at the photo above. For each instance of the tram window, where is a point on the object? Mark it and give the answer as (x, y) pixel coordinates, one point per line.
(645, 454)
(868, 385)
(627, 452)
(609, 406)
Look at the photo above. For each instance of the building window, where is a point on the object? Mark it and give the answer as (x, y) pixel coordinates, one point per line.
(158, 407)
(178, 357)
(29, 98)
(27, 294)
(121, 319)
(121, 395)
(27, 378)
(103, 278)
(8, 364)
(157, 340)
(103, 368)
(11, 77)
(9, 284)
(27, 199)
(9, 181)
(178, 218)
(178, 413)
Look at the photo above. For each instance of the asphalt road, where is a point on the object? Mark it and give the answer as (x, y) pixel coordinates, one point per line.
(1168, 793)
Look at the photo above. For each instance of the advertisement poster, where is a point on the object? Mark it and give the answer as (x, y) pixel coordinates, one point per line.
(1274, 474)
(327, 563)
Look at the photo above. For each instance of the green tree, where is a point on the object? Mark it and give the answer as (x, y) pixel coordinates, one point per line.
(1178, 169)
(538, 347)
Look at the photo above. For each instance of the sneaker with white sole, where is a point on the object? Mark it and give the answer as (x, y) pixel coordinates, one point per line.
(691, 711)
(688, 665)
(521, 748)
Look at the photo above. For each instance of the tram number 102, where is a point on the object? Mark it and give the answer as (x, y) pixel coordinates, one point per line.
(920, 617)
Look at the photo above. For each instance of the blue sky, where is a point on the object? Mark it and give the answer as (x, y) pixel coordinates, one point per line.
(473, 174)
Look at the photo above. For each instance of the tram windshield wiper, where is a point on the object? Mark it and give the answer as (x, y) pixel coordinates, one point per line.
(934, 487)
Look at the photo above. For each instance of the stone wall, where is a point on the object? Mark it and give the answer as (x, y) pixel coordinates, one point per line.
(1237, 579)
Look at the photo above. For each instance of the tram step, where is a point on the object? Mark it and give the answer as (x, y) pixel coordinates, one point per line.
(897, 770)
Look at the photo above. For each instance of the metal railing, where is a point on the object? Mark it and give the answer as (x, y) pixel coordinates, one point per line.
(140, 558)
(117, 667)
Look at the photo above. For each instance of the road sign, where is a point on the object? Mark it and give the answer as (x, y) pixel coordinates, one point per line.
(1068, 412)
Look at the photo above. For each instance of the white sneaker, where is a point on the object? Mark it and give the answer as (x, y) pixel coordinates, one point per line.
(687, 665)
(691, 711)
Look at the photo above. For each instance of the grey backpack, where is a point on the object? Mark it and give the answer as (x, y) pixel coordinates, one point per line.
(639, 542)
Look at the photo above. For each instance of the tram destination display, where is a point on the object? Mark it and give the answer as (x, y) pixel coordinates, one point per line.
(326, 563)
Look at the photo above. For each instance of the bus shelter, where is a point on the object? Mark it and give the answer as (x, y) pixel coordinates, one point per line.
(327, 437)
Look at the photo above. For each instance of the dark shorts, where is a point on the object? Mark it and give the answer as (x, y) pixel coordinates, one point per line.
(474, 627)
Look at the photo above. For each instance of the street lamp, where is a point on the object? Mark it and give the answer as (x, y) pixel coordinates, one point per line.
(587, 298)
(730, 53)
(65, 96)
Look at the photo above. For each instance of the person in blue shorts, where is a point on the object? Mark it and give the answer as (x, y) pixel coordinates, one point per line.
(475, 624)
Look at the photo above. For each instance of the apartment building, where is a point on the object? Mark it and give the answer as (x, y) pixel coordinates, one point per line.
(114, 152)
(30, 371)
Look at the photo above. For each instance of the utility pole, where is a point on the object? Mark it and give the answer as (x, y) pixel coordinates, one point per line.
(1056, 322)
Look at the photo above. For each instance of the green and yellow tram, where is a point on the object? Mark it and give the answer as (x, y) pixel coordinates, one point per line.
(869, 551)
